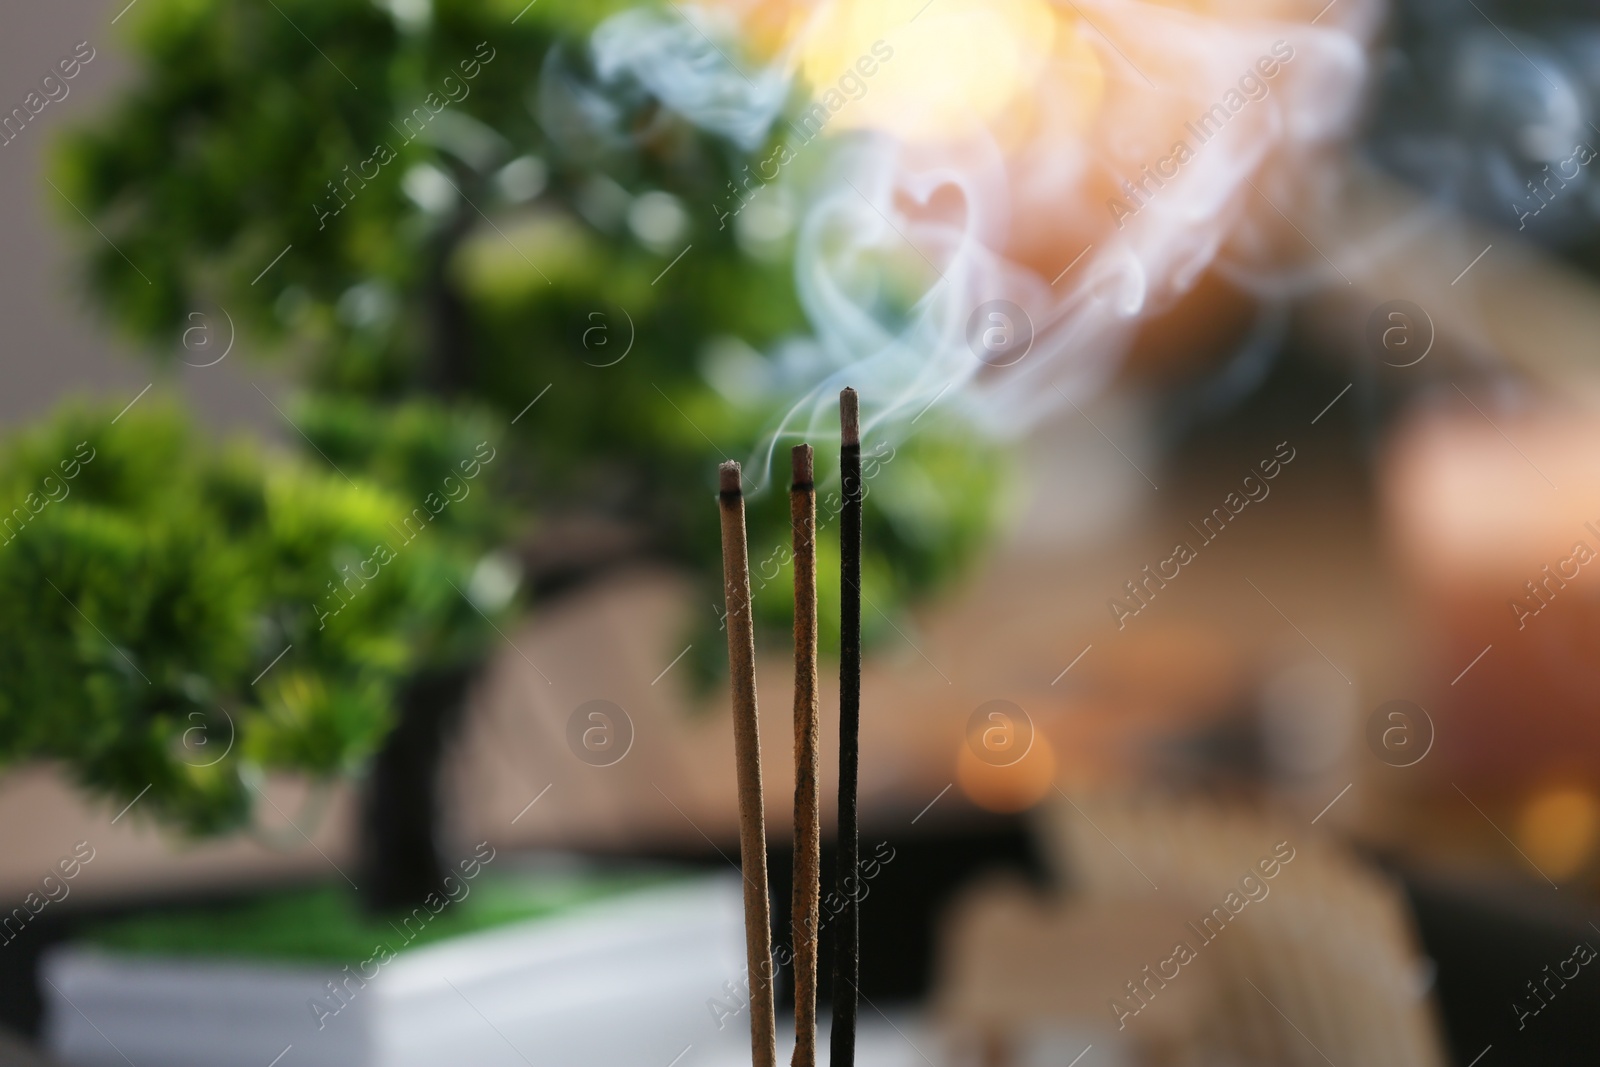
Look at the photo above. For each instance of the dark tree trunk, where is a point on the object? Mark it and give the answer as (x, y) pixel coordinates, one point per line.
(449, 369)
(401, 861)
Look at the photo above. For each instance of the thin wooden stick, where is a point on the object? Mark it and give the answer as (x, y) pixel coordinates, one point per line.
(847, 952)
(747, 755)
(807, 801)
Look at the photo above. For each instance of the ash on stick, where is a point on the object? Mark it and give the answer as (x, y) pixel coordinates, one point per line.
(807, 801)
(747, 755)
(847, 953)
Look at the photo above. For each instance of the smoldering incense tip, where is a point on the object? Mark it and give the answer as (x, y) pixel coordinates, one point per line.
(849, 416)
(732, 481)
(801, 462)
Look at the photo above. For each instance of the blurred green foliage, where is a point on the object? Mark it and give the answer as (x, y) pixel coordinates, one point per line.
(325, 926)
(471, 221)
(150, 583)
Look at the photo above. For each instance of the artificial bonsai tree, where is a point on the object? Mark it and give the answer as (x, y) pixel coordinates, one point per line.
(177, 619)
(441, 211)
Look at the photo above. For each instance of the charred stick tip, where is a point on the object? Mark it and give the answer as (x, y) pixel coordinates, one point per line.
(849, 416)
(732, 482)
(801, 460)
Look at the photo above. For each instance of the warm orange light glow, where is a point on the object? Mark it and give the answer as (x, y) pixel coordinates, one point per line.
(1007, 789)
(1081, 104)
(768, 25)
(958, 66)
(1085, 161)
(1558, 829)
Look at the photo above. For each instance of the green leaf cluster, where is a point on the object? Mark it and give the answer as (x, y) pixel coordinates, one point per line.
(183, 617)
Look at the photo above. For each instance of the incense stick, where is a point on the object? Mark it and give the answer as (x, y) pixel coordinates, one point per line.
(747, 756)
(847, 953)
(807, 802)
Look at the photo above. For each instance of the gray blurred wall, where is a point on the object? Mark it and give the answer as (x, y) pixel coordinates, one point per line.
(51, 343)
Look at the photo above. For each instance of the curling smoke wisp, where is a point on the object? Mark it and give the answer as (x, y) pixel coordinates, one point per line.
(995, 194)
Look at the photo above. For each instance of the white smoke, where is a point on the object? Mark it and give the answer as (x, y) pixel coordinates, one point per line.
(905, 234)
(677, 59)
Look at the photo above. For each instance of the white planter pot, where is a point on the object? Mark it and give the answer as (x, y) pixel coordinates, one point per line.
(623, 981)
